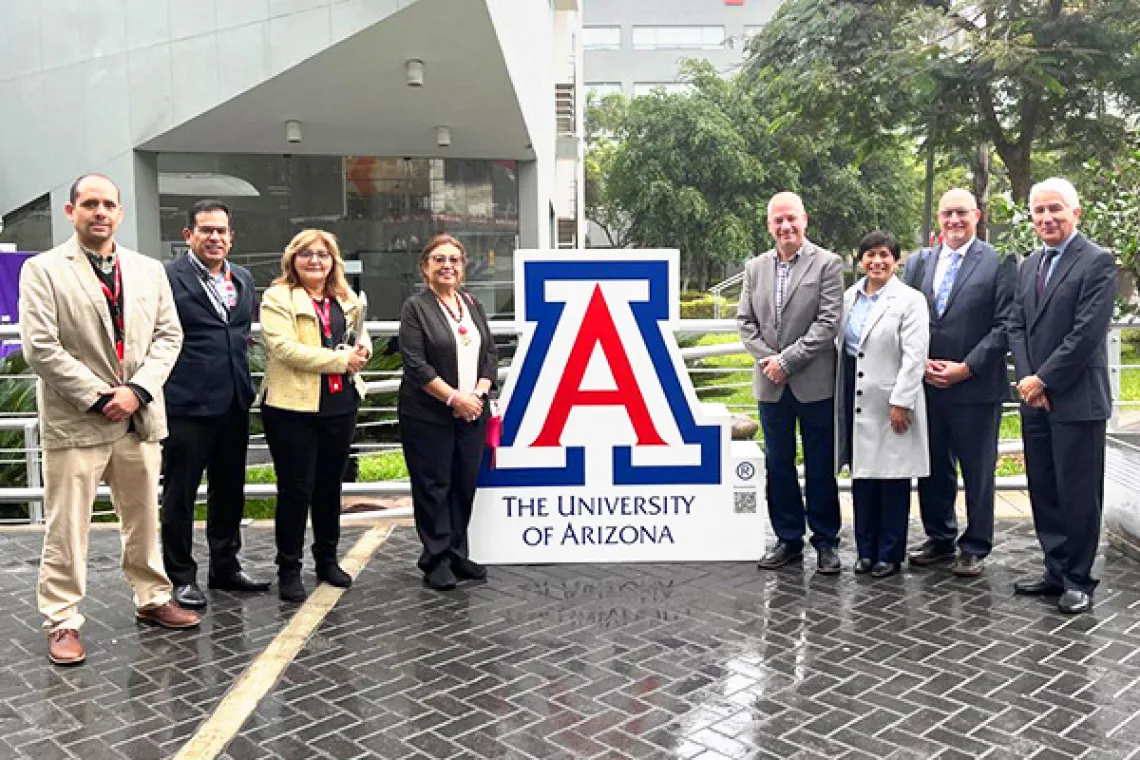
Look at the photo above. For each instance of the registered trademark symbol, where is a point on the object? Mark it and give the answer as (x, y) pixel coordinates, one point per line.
(745, 471)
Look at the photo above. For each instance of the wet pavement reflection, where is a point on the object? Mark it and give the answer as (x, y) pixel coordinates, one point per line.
(664, 661)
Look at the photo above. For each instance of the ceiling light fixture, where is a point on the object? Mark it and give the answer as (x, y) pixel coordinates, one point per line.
(293, 131)
(414, 70)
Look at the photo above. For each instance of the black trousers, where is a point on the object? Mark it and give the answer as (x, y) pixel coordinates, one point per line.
(965, 434)
(217, 445)
(882, 508)
(1064, 463)
(443, 465)
(309, 456)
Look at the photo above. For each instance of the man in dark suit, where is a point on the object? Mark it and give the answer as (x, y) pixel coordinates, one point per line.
(790, 307)
(970, 292)
(1061, 316)
(208, 398)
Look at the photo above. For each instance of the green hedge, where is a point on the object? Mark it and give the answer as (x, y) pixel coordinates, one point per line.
(702, 308)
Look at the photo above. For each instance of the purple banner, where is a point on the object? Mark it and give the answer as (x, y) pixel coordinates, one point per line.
(10, 264)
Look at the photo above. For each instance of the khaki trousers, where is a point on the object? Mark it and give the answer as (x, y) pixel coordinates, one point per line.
(71, 477)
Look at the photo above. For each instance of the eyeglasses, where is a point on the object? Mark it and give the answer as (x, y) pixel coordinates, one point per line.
(209, 231)
(322, 255)
(441, 260)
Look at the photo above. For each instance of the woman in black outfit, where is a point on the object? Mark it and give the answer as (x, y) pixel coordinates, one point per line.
(315, 347)
(449, 366)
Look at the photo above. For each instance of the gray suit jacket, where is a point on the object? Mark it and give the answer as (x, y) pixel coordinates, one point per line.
(813, 305)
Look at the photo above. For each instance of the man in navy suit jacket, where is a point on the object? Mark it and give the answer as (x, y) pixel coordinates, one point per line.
(208, 394)
(1063, 309)
(970, 291)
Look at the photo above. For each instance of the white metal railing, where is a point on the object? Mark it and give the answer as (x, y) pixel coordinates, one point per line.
(32, 493)
(717, 291)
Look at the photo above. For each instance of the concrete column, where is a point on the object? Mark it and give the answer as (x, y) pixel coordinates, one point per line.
(143, 206)
(534, 206)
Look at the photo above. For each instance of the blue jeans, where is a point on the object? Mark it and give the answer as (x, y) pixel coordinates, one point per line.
(785, 500)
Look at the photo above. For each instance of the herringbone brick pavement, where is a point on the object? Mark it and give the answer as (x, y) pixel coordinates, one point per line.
(704, 661)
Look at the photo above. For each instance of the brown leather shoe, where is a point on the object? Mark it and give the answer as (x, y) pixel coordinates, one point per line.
(64, 647)
(168, 615)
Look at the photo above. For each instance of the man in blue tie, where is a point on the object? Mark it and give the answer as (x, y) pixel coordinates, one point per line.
(1062, 311)
(970, 291)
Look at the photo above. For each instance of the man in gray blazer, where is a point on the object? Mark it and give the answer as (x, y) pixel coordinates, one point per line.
(969, 290)
(790, 307)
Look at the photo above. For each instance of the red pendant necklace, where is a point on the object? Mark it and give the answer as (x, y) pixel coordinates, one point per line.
(463, 336)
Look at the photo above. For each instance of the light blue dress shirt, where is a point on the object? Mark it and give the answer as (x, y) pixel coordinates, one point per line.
(860, 310)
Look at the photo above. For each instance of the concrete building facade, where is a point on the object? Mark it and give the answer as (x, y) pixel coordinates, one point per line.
(634, 46)
(383, 121)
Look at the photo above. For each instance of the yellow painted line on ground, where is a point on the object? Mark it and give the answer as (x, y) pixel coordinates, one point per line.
(262, 674)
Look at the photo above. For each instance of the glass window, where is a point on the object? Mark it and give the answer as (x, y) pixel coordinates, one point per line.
(687, 37)
(382, 210)
(28, 228)
(601, 37)
(669, 88)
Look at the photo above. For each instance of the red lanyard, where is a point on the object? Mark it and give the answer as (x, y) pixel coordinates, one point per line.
(116, 308)
(323, 308)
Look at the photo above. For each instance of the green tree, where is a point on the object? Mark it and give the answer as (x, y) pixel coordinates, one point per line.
(695, 171)
(604, 117)
(1017, 75)
(684, 175)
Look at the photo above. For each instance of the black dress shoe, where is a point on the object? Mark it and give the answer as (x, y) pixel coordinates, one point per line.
(828, 562)
(862, 566)
(931, 554)
(885, 569)
(189, 597)
(290, 588)
(1074, 602)
(239, 581)
(334, 575)
(1037, 587)
(465, 569)
(441, 578)
(968, 566)
(779, 555)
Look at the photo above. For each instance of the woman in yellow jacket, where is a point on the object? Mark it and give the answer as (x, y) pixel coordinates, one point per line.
(310, 396)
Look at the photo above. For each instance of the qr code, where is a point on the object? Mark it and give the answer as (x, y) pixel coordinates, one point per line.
(744, 502)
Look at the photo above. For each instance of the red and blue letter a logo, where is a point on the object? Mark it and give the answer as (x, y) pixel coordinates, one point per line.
(597, 389)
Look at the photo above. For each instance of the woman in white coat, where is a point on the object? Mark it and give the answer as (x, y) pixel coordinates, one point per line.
(881, 417)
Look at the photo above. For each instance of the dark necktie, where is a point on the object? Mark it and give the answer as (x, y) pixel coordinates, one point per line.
(1043, 272)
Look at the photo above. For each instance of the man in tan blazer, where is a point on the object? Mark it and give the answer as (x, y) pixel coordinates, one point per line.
(790, 306)
(100, 330)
